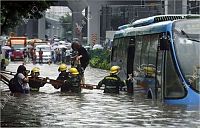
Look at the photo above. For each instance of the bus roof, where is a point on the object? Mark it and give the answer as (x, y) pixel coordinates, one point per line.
(143, 30)
(161, 18)
(150, 25)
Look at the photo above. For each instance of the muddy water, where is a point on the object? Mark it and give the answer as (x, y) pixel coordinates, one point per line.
(91, 108)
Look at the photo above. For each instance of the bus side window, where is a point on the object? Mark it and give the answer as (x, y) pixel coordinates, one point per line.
(138, 47)
(112, 53)
(114, 50)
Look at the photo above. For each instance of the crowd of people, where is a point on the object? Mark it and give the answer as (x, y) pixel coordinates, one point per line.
(71, 79)
(58, 55)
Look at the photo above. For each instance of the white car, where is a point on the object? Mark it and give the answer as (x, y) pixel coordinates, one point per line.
(46, 53)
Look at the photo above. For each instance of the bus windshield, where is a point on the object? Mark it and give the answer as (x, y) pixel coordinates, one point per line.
(186, 35)
(43, 48)
(18, 46)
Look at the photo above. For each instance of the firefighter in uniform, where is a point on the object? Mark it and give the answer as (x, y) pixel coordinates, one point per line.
(112, 82)
(74, 80)
(63, 76)
(35, 82)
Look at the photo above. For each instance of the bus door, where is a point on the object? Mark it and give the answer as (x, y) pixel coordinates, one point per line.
(163, 48)
(130, 56)
(153, 69)
(159, 73)
(122, 56)
(151, 64)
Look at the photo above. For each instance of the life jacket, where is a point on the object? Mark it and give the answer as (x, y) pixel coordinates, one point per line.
(64, 76)
(14, 85)
(112, 84)
(74, 84)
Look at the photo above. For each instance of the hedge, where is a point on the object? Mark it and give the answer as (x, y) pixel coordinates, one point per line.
(100, 58)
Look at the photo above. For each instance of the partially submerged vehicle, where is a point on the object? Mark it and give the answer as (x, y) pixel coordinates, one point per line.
(162, 54)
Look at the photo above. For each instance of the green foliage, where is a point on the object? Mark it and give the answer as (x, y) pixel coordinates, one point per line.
(100, 59)
(66, 22)
(13, 12)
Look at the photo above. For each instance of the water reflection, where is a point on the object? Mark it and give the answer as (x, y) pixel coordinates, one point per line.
(91, 108)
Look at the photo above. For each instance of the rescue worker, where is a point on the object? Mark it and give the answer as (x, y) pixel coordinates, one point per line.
(35, 82)
(112, 82)
(74, 80)
(63, 76)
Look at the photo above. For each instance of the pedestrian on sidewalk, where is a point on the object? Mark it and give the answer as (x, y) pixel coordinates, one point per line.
(40, 56)
(34, 56)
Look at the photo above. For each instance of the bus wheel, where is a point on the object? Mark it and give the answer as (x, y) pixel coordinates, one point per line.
(149, 95)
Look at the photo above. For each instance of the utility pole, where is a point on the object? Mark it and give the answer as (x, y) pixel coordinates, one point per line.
(184, 6)
(166, 7)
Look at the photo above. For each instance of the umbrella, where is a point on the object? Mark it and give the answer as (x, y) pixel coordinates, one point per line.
(55, 43)
(68, 44)
(56, 39)
(6, 47)
(35, 40)
(62, 46)
(62, 42)
(59, 46)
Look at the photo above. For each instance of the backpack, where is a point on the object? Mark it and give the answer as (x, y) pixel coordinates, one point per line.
(14, 85)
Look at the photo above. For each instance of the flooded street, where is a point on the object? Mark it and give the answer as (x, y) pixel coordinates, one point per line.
(91, 108)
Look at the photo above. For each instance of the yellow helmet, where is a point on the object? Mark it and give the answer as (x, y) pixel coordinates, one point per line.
(149, 70)
(114, 69)
(73, 71)
(35, 69)
(62, 67)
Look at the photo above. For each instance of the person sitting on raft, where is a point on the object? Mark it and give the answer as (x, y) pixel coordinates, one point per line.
(19, 84)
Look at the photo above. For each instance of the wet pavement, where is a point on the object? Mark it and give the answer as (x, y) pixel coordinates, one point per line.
(91, 108)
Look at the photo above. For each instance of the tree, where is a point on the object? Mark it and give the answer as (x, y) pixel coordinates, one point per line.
(13, 12)
(66, 22)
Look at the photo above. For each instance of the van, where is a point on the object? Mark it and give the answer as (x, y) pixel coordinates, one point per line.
(46, 53)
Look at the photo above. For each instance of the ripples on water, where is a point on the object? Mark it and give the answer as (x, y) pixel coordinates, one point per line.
(91, 108)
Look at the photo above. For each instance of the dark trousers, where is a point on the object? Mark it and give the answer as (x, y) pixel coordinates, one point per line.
(41, 60)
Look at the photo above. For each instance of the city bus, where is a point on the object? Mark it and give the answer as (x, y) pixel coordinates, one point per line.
(162, 53)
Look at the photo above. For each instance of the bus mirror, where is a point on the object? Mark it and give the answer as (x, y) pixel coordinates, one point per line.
(164, 44)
